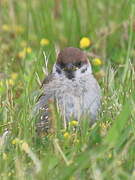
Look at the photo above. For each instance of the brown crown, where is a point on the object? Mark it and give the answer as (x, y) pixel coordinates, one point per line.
(71, 55)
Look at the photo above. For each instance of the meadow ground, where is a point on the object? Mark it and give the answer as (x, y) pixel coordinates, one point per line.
(31, 31)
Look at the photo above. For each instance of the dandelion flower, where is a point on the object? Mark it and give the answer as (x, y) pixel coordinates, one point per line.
(6, 27)
(66, 135)
(97, 62)
(4, 156)
(25, 51)
(16, 141)
(14, 76)
(110, 155)
(85, 42)
(73, 123)
(44, 42)
(10, 82)
(28, 50)
(1, 83)
(22, 54)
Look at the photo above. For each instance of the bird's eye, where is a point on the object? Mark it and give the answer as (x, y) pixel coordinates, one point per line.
(78, 64)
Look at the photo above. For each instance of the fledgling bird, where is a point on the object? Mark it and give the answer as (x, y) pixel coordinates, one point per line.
(72, 86)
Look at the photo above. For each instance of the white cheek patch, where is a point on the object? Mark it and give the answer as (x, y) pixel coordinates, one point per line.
(86, 69)
(55, 71)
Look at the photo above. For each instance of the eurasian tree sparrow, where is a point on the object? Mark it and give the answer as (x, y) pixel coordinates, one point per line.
(72, 86)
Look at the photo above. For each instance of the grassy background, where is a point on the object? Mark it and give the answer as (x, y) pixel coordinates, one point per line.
(106, 150)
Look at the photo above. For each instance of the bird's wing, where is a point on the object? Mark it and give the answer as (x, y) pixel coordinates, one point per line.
(42, 107)
(47, 79)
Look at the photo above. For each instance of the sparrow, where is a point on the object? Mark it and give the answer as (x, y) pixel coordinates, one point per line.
(72, 86)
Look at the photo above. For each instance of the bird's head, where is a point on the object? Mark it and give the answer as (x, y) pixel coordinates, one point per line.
(72, 63)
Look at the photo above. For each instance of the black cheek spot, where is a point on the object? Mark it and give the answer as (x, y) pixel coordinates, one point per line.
(83, 70)
(58, 71)
(62, 65)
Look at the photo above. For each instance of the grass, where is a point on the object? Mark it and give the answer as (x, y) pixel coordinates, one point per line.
(105, 150)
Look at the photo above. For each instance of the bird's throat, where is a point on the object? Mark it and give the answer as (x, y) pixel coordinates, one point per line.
(70, 74)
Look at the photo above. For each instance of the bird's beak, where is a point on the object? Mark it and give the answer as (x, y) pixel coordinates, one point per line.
(70, 67)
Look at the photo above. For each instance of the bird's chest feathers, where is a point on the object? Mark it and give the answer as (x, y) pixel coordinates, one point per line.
(72, 90)
(71, 97)
(74, 97)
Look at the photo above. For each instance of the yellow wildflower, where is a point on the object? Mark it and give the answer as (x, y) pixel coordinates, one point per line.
(73, 123)
(66, 135)
(85, 42)
(10, 82)
(110, 155)
(4, 156)
(1, 83)
(14, 76)
(44, 42)
(6, 27)
(22, 54)
(28, 50)
(97, 62)
(16, 141)
(18, 29)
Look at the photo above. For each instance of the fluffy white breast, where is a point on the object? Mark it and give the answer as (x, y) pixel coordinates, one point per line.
(76, 97)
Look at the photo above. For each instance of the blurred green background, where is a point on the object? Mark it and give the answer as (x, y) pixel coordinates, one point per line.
(32, 30)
